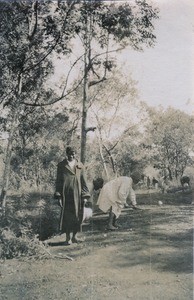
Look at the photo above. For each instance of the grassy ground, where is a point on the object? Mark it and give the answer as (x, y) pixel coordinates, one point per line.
(149, 257)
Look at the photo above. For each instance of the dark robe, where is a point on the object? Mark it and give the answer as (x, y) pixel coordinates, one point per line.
(72, 187)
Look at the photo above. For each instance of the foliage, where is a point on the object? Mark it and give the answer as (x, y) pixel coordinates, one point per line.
(31, 32)
(29, 219)
(105, 28)
(111, 111)
(131, 159)
(12, 246)
(36, 149)
(110, 104)
(169, 138)
(28, 37)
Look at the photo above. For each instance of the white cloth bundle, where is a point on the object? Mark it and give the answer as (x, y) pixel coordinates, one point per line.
(87, 213)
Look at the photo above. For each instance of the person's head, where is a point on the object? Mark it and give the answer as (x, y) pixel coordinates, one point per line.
(70, 152)
(98, 183)
(136, 176)
(125, 172)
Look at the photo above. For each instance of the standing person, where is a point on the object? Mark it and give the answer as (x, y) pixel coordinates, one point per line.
(113, 197)
(72, 192)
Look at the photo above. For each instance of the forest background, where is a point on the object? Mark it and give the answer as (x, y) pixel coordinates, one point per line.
(93, 105)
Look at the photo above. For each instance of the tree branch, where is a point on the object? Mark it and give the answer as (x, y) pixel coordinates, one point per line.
(111, 158)
(90, 129)
(94, 82)
(55, 100)
(56, 41)
(68, 74)
(35, 17)
(103, 53)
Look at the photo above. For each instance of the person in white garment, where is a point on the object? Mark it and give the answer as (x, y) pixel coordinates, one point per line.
(113, 197)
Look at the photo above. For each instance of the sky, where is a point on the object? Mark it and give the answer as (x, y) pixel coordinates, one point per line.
(165, 73)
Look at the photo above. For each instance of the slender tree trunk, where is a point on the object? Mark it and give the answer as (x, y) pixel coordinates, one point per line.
(170, 173)
(85, 93)
(111, 159)
(102, 156)
(84, 112)
(6, 173)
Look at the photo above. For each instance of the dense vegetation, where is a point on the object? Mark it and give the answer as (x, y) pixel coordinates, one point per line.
(93, 105)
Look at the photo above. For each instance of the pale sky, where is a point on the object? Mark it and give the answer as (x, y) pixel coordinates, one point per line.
(165, 73)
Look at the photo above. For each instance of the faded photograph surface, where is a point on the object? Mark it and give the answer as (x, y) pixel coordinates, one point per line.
(97, 149)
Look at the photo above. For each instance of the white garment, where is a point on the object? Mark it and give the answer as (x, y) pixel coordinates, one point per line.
(87, 214)
(72, 164)
(115, 193)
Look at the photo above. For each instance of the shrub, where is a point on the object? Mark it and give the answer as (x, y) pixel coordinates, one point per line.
(12, 246)
(27, 221)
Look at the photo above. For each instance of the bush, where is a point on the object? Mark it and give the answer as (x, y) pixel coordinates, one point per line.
(27, 221)
(12, 246)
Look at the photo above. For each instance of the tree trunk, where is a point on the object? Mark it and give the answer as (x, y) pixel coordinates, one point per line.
(102, 156)
(111, 159)
(85, 95)
(84, 112)
(170, 173)
(6, 173)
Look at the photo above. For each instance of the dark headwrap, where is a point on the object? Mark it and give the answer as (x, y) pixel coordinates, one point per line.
(69, 150)
(98, 183)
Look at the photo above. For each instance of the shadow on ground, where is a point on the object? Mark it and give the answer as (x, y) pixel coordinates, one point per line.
(158, 235)
(154, 236)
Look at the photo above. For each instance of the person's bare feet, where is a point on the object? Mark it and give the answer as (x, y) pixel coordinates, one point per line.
(75, 240)
(111, 227)
(67, 242)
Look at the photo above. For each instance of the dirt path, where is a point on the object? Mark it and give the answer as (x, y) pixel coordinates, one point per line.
(150, 257)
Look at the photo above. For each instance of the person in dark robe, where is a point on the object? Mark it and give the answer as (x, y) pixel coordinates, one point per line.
(72, 192)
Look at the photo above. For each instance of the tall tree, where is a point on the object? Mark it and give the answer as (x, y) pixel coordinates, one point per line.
(31, 31)
(170, 139)
(105, 28)
(112, 106)
(28, 36)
